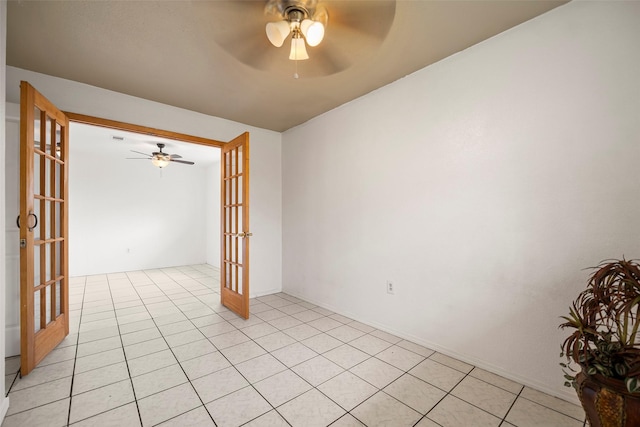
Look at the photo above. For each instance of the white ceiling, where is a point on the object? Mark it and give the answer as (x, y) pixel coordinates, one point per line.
(213, 57)
(100, 141)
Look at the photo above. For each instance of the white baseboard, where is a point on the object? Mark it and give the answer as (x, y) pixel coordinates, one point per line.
(4, 407)
(569, 395)
(263, 293)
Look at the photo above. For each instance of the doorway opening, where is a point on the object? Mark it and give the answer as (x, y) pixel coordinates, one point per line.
(128, 214)
(234, 205)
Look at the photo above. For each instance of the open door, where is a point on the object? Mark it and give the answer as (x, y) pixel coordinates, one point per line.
(43, 222)
(234, 217)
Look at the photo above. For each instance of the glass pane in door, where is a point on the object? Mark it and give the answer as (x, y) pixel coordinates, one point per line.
(47, 262)
(46, 220)
(232, 224)
(36, 310)
(37, 143)
(233, 257)
(58, 296)
(227, 168)
(57, 192)
(47, 135)
(58, 147)
(58, 269)
(36, 173)
(58, 216)
(33, 221)
(36, 266)
(47, 317)
(46, 182)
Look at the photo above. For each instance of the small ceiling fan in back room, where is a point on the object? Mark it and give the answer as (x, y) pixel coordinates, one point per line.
(159, 158)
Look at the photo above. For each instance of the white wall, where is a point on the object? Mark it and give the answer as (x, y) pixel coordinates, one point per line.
(11, 199)
(482, 186)
(266, 187)
(4, 402)
(212, 210)
(129, 215)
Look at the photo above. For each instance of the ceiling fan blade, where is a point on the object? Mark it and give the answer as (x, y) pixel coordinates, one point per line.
(138, 152)
(186, 162)
(175, 156)
(325, 61)
(372, 18)
(246, 38)
(137, 158)
(253, 49)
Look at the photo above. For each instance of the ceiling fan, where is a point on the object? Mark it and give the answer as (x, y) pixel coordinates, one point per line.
(159, 158)
(323, 36)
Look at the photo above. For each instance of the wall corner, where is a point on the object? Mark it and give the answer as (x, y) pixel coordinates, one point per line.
(4, 401)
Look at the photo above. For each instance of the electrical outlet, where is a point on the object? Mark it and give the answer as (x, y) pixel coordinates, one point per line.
(390, 288)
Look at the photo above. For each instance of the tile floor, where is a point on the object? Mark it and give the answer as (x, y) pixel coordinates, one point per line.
(155, 347)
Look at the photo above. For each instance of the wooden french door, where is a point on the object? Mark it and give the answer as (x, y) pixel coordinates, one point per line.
(43, 222)
(234, 253)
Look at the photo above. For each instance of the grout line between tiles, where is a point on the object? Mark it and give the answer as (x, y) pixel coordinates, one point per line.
(73, 372)
(549, 408)
(504, 419)
(449, 393)
(126, 361)
(178, 362)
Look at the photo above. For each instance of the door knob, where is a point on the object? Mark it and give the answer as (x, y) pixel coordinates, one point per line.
(31, 214)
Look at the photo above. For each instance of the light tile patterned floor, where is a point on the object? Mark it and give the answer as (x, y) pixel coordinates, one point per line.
(155, 347)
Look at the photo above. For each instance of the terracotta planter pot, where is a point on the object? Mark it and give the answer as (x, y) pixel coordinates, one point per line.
(607, 402)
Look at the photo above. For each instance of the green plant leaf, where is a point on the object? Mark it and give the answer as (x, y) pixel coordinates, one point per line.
(633, 385)
(621, 369)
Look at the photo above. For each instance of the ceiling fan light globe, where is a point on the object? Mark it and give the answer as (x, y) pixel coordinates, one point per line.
(277, 32)
(160, 161)
(313, 31)
(298, 49)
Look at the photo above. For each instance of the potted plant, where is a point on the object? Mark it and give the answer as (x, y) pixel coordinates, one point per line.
(605, 345)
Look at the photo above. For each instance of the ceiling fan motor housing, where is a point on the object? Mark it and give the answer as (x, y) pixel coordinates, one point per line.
(292, 10)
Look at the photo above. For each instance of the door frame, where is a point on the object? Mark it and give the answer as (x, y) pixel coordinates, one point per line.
(239, 304)
(145, 130)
